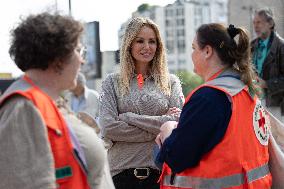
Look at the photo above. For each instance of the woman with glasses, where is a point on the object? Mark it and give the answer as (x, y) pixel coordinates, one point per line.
(134, 104)
(39, 149)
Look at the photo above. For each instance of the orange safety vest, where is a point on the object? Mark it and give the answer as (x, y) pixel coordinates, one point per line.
(69, 173)
(240, 160)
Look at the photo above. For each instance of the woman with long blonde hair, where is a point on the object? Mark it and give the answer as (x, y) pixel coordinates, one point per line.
(134, 104)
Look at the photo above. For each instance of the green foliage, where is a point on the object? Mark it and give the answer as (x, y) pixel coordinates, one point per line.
(189, 81)
(143, 7)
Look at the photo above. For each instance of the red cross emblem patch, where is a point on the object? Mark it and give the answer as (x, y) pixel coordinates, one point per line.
(261, 124)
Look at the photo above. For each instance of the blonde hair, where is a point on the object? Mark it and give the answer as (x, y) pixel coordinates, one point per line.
(158, 66)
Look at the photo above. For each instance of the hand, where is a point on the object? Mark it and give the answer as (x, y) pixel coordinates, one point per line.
(166, 130)
(173, 111)
(261, 83)
(158, 140)
(89, 120)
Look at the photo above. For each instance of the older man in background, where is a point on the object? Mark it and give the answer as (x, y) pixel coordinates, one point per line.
(268, 59)
(84, 101)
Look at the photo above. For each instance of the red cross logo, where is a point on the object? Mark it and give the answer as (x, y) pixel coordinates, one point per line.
(261, 124)
(261, 121)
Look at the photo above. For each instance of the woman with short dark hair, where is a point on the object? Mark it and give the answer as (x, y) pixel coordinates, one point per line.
(39, 149)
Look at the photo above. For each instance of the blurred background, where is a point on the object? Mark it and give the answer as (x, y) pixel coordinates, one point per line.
(106, 20)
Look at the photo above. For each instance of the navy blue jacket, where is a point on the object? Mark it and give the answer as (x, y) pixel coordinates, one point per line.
(203, 123)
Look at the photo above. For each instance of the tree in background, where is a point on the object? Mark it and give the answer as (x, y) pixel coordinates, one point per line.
(143, 7)
(189, 81)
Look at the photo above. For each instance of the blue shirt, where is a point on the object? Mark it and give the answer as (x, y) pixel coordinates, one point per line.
(78, 103)
(260, 54)
(203, 123)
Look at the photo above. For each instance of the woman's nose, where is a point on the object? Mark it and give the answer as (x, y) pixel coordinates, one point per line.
(146, 45)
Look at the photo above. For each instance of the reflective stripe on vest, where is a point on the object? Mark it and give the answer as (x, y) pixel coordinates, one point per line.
(223, 182)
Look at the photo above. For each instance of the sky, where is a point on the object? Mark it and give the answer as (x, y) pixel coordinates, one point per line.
(110, 14)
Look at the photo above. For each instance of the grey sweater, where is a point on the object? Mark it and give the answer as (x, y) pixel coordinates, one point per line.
(132, 122)
(26, 159)
(94, 151)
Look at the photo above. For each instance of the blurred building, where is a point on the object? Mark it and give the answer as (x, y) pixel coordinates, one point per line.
(6, 80)
(6, 75)
(241, 13)
(178, 22)
(110, 64)
(92, 67)
(98, 64)
(182, 18)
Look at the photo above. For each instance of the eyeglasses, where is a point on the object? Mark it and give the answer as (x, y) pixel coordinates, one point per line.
(82, 51)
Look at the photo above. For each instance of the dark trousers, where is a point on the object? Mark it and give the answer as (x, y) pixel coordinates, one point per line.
(127, 180)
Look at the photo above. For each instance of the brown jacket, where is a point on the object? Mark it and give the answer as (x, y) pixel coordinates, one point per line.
(273, 70)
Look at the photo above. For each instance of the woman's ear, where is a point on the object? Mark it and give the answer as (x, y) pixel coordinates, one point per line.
(58, 66)
(208, 50)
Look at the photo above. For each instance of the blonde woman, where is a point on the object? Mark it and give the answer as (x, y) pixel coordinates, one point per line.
(135, 103)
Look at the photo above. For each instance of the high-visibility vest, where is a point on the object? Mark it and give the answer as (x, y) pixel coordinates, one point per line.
(68, 171)
(240, 160)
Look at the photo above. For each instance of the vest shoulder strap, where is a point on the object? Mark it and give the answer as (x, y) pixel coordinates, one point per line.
(229, 81)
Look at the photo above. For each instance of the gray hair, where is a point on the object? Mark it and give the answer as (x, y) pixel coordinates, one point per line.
(267, 14)
(81, 79)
